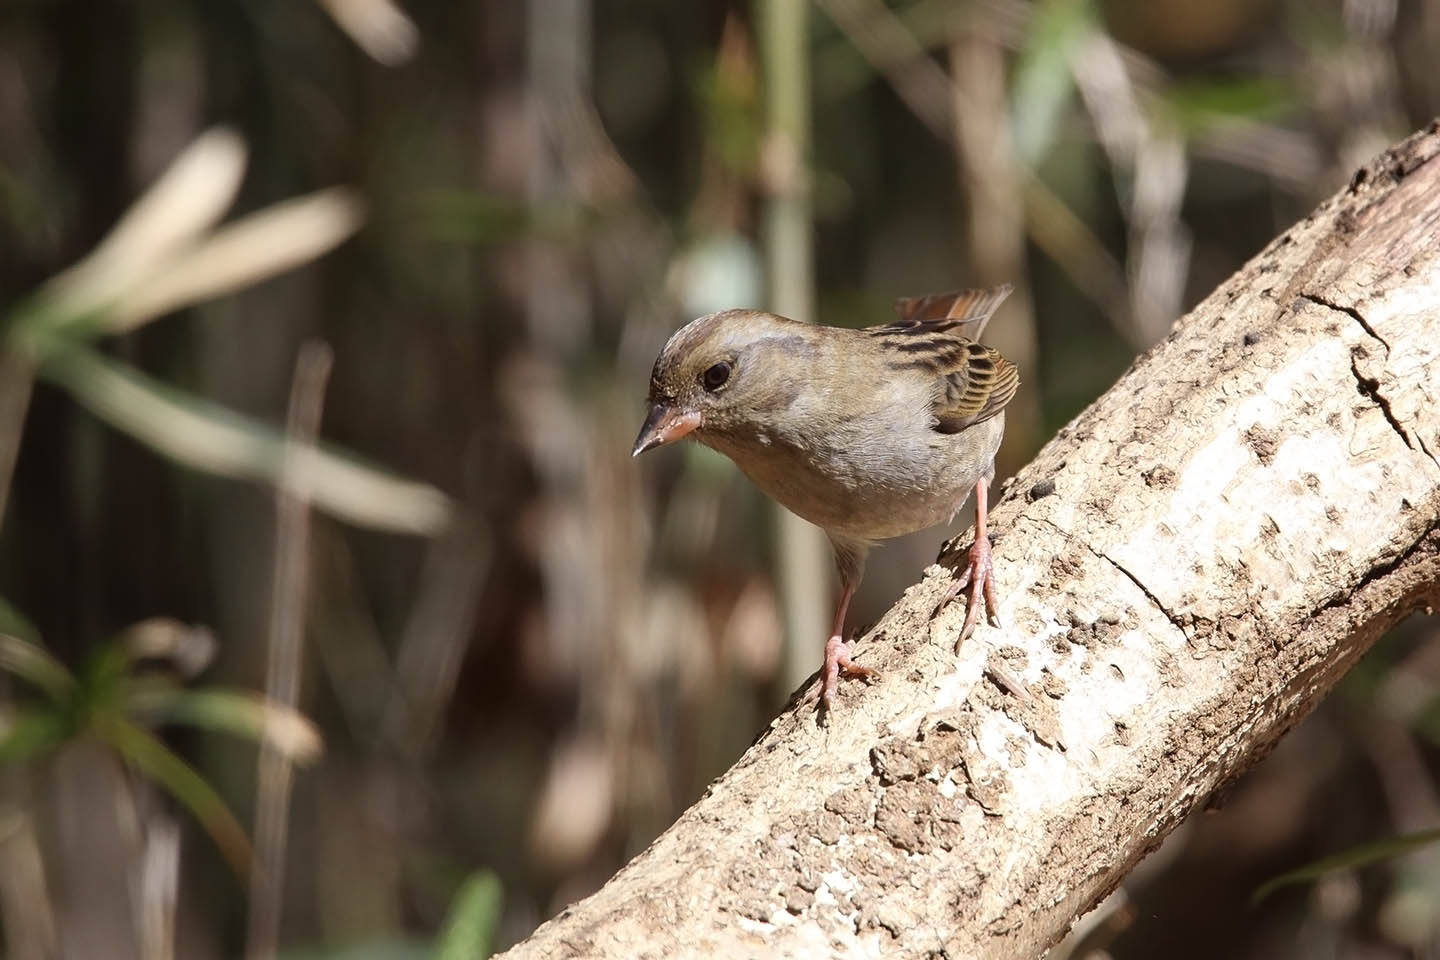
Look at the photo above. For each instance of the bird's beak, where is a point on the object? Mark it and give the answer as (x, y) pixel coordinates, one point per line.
(664, 424)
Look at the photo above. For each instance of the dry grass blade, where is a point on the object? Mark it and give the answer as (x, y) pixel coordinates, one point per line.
(208, 437)
(36, 665)
(240, 254)
(289, 590)
(1153, 169)
(185, 202)
(378, 27)
(427, 665)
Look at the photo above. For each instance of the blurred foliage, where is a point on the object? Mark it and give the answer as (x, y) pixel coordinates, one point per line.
(524, 695)
(474, 917)
(113, 699)
(1359, 856)
(1043, 86)
(1194, 108)
(468, 933)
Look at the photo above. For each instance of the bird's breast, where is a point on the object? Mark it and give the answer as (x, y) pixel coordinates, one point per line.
(867, 477)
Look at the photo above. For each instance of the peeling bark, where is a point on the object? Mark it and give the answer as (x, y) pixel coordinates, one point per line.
(1185, 570)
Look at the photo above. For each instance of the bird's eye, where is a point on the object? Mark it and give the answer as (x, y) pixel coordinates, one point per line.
(714, 378)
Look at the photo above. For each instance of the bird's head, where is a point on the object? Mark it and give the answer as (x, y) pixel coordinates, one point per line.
(720, 374)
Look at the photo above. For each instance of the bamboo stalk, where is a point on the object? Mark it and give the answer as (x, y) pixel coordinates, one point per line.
(803, 557)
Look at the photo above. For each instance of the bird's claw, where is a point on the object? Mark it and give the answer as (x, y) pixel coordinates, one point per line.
(978, 576)
(837, 664)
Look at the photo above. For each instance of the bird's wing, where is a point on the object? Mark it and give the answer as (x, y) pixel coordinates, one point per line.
(964, 311)
(934, 336)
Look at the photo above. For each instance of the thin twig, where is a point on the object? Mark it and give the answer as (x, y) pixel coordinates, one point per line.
(282, 673)
(428, 662)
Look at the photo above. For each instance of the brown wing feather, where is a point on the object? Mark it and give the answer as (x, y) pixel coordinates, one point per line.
(964, 311)
(974, 388)
(937, 334)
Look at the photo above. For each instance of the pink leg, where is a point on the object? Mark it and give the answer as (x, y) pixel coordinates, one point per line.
(978, 572)
(837, 654)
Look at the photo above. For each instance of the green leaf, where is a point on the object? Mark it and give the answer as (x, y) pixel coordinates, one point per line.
(727, 95)
(180, 780)
(206, 436)
(1043, 83)
(1197, 106)
(243, 713)
(1358, 856)
(27, 733)
(104, 677)
(34, 663)
(473, 216)
(15, 623)
(389, 949)
(469, 931)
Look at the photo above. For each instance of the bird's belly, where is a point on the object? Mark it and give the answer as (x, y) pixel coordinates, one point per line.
(876, 490)
(898, 516)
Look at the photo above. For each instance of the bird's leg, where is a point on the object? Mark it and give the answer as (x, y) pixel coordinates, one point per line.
(977, 573)
(837, 653)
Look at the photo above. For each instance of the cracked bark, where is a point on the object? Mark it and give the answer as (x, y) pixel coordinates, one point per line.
(1236, 525)
(1122, 571)
(1369, 387)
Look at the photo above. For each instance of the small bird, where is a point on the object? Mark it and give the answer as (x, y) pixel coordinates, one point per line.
(868, 434)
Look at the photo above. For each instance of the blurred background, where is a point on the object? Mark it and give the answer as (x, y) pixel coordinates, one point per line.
(406, 689)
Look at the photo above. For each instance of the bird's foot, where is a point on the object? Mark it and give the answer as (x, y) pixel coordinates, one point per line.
(978, 575)
(838, 663)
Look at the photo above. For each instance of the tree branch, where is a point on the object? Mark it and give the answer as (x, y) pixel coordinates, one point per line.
(1185, 570)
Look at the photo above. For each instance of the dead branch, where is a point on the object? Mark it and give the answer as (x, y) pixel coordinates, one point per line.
(1186, 569)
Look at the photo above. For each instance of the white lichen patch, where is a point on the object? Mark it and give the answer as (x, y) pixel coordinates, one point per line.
(1276, 478)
